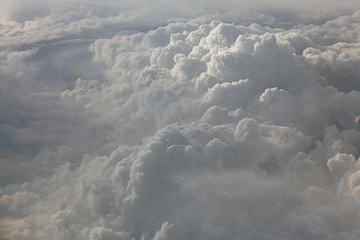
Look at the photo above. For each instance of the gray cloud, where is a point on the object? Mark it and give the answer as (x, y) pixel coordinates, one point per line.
(127, 125)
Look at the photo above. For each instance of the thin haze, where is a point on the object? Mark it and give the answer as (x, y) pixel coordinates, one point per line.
(179, 120)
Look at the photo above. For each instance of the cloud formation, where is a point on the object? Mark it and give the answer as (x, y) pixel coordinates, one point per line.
(131, 126)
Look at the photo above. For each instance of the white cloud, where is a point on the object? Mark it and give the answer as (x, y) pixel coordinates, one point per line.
(159, 124)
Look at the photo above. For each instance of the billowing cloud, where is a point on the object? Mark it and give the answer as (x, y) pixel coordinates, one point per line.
(207, 124)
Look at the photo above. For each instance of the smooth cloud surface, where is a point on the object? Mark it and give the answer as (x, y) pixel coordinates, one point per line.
(119, 122)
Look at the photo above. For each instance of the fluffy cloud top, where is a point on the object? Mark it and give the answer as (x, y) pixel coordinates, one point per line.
(125, 125)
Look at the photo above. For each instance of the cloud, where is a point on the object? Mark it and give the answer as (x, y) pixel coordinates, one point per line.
(207, 124)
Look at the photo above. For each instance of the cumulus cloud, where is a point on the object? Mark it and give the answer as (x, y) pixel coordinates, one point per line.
(117, 123)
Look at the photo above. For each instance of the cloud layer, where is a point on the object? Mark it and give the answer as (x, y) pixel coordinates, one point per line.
(224, 126)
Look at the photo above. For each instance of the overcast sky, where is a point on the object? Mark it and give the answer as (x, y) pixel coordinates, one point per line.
(179, 120)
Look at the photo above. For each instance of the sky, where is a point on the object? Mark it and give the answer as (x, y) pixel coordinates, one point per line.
(156, 120)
